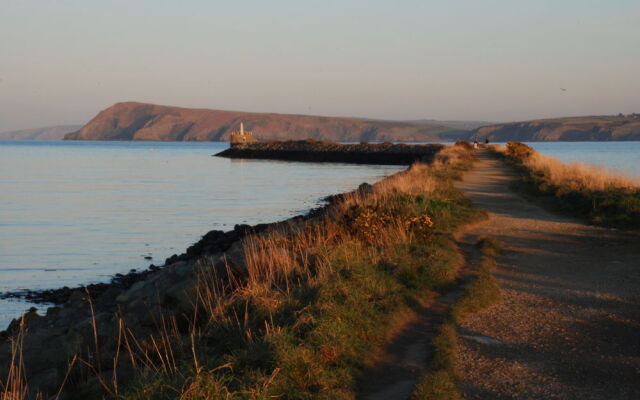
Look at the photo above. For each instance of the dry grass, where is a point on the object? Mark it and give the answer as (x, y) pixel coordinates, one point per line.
(305, 307)
(573, 176)
(458, 155)
(412, 181)
(579, 176)
(288, 268)
(14, 387)
(601, 196)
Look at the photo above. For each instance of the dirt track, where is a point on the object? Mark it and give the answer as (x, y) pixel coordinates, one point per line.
(568, 326)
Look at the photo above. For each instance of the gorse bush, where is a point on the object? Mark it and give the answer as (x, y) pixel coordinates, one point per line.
(366, 222)
(420, 225)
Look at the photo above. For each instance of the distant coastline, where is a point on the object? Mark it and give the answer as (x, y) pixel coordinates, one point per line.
(142, 121)
(44, 133)
(132, 121)
(571, 129)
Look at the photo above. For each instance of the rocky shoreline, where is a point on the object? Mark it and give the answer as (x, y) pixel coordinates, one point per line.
(88, 322)
(219, 241)
(317, 151)
(212, 242)
(95, 313)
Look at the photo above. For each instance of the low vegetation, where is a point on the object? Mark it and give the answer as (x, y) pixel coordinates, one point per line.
(464, 144)
(320, 298)
(316, 300)
(484, 290)
(601, 197)
(441, 382)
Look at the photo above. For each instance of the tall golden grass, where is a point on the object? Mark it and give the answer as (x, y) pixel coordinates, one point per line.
(575, 176)
(282, 258)
(14, 386)
(596, 194)
(579, 176)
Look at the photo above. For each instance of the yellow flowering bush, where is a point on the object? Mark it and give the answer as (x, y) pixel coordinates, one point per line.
(420, 225)
(366, 222)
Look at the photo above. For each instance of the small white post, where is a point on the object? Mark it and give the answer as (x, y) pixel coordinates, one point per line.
(241, 129)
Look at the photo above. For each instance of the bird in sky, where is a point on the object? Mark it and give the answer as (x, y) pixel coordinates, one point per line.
(563, 89)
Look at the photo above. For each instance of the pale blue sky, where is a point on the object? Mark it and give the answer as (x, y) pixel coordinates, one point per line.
(63, 61)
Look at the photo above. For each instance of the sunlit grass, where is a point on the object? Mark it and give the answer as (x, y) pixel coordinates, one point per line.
(305, 307)
(603, 197)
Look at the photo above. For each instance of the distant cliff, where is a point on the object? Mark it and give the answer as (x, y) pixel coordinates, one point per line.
(46, 133)
(598, 128)
(140, 121)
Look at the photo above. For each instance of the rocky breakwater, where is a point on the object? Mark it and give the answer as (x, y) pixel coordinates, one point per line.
(318, 151)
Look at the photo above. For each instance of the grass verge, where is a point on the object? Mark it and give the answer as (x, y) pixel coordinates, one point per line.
(600, 197)
(441, 382)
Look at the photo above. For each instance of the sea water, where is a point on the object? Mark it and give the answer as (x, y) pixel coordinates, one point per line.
(74, 213)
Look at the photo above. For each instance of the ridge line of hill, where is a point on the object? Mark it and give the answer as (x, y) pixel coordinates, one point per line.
(142, 121)
(568, 129)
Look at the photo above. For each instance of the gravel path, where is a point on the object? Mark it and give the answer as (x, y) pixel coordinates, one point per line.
(568, 325)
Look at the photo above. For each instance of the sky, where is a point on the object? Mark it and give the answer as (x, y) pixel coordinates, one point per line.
(62, 61)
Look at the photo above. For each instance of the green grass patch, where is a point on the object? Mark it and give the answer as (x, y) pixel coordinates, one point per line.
(490, 246)
(440, 383)
(482, 293)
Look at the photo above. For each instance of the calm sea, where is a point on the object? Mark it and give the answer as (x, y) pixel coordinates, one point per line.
(78, 212)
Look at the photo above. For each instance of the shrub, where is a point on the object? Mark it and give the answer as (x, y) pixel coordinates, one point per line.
(366, 222)
(519, 150)
(464, 144)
